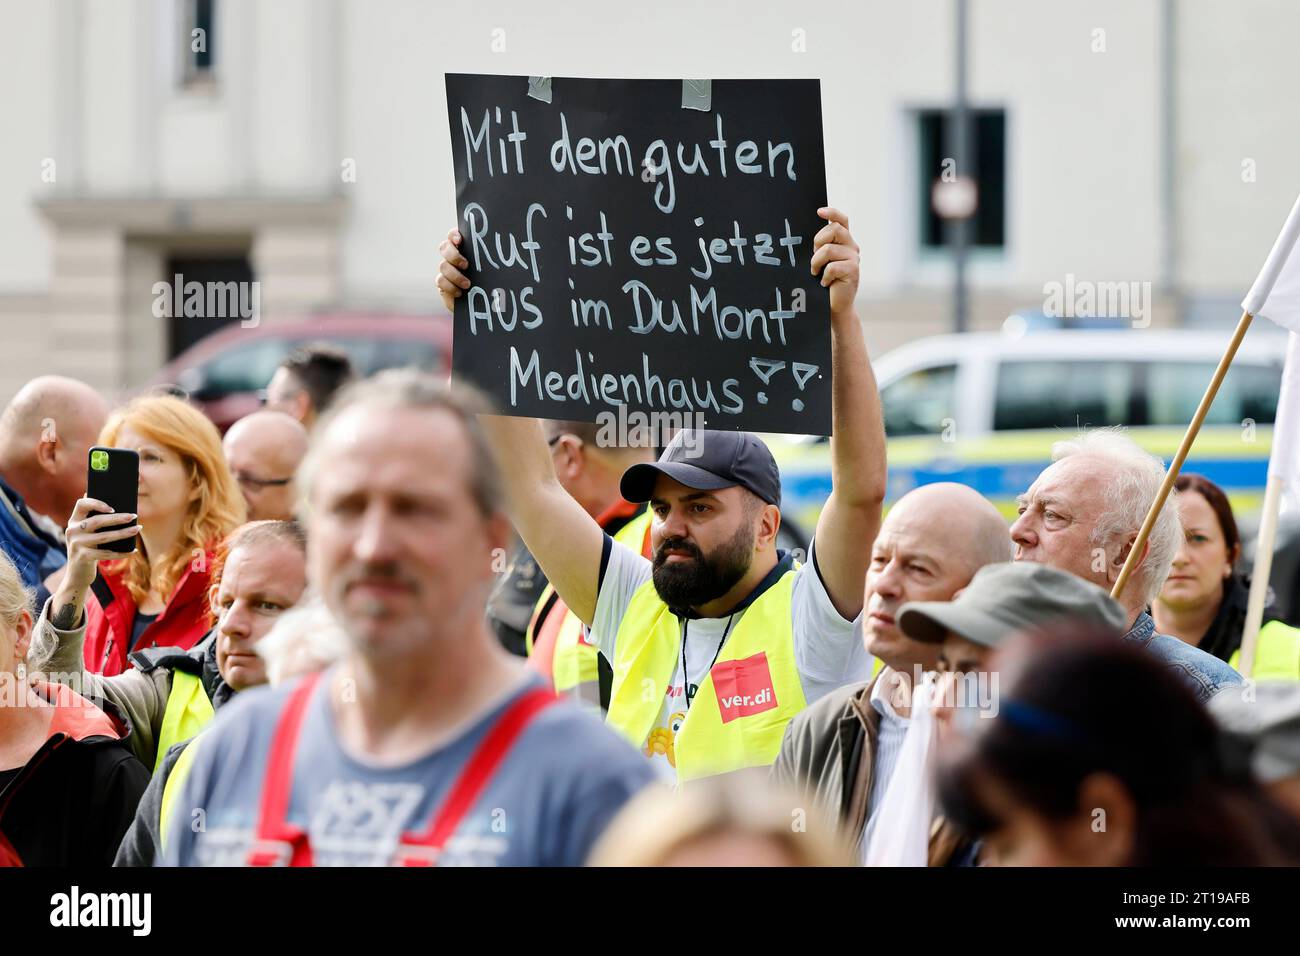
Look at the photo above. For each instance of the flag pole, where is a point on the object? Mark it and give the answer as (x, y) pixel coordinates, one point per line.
(1260, 574)
(1281, 475)
(1175, 466)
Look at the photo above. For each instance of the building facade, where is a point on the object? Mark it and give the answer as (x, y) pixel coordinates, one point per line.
(303, 144)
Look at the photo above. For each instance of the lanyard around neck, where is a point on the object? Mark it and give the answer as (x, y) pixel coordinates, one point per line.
(686, 671)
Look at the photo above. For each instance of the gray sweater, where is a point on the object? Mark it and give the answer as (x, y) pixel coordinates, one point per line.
(140, 693)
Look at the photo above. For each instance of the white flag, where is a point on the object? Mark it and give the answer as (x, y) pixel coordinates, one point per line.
(901, 835)
(1284, 458)
(1276, 292)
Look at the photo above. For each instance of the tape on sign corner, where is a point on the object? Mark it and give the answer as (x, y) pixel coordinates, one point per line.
(539, 88)
(697, 95)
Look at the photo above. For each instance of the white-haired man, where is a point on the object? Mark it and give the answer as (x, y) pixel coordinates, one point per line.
(1082, 515)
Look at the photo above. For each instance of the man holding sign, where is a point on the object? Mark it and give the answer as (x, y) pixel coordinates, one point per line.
(719, 640)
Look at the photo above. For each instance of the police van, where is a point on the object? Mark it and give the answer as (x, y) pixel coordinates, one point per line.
(984, 409)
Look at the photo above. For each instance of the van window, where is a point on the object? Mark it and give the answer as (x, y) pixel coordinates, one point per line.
(245, 368)
(1174, 390)
(920, 401)
(1056, 393)
(369, 355)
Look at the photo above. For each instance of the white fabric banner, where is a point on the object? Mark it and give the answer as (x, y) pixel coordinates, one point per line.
(1284, 459)
(901, 836)
(1276, 293)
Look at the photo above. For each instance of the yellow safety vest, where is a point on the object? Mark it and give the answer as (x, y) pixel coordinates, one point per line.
(738, 715)
(188, 711)
(171, 790)
(1277, 653)
(576, 662)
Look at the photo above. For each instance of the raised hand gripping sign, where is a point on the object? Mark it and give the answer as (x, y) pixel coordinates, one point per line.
(627, 251)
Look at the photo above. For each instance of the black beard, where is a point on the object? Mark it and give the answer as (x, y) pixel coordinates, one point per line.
(684, 585)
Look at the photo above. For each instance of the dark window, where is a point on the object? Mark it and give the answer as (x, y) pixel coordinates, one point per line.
(369, 355)
(398, 353)
(197, 42)
(1066, 394)
(244, 368)
(1070, 395)
(225, 293)
(248, 368)
(988, 148)
(1174, 389)
(920, 402)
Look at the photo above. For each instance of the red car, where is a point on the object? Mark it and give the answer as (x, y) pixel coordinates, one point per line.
(226, 372)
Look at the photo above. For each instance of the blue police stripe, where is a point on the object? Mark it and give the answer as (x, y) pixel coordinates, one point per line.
(1006, 480)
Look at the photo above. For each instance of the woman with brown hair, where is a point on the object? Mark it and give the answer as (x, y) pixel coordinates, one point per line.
(188, 501)
(1203, 601)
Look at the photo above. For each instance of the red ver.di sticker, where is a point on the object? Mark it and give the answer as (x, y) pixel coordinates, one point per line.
(743, 687)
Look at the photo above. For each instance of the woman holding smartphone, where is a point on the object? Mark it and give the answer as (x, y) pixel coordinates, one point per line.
(156, 596)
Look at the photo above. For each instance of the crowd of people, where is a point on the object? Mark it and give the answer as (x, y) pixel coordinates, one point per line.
(316, 653)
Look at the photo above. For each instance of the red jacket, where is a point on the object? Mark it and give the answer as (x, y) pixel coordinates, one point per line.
(8, 855)
(110, 618)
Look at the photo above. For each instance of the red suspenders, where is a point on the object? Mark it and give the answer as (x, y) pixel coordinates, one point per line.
(422, 849)
(280, 844)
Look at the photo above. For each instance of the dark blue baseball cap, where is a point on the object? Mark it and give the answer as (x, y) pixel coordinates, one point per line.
(708, 460)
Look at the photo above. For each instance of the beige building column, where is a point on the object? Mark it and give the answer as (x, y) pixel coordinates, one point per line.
(297, 266)
(97, 322)
(86, 320)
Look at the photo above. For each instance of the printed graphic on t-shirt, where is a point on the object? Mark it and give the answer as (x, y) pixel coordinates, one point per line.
(355, 817)
(360, 823)
(660, 744)
(661, 741)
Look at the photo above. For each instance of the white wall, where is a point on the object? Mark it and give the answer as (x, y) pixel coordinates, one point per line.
(1082, 126)
(305, 84)
(28, 90)
(1083, 131)
(1238, 99)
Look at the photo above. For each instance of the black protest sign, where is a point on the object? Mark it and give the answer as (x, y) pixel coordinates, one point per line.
(628, 251)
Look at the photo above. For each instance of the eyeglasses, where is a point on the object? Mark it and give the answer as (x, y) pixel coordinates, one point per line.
(260, 483)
